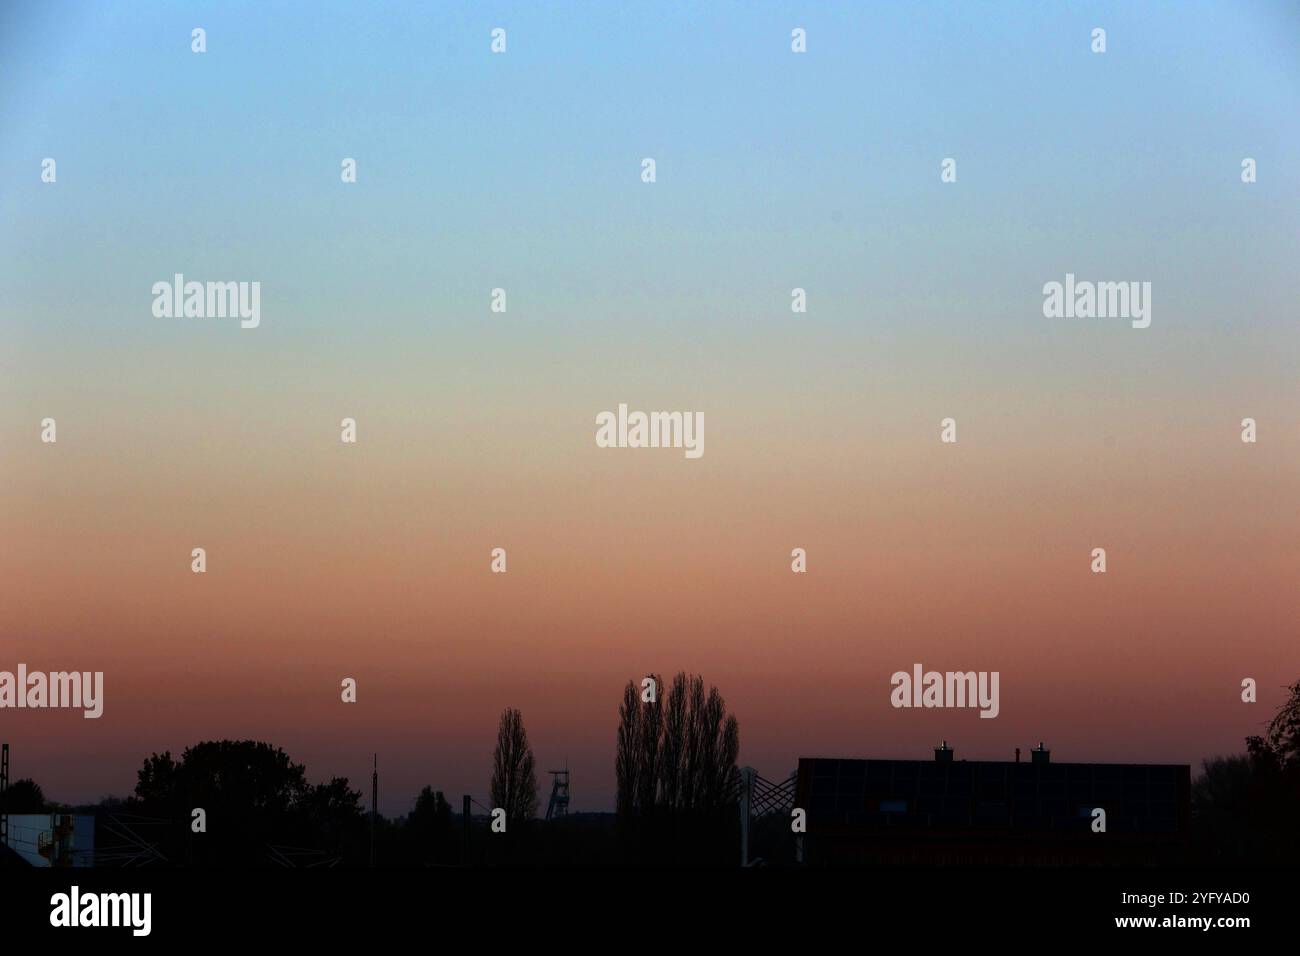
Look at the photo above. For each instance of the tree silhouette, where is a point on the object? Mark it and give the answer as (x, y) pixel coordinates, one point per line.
(698, 750)
(23, 796)
(626, 755)
(253, 796)
(672, 747)
(648, 762)
(637, 762)
(428, 830)
(1275, 764)
(514, 777)
(1279, 748)
(1244, 807)
(1221, 798)
(675, 766)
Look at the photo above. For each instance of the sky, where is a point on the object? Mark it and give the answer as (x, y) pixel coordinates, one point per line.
(522, 171)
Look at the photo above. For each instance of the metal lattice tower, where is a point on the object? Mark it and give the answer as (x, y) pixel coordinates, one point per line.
(559, 805)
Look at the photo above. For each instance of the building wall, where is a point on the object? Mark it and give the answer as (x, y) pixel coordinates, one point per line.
(44, 839)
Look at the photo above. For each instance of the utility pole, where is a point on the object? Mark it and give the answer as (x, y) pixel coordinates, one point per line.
(374, 807)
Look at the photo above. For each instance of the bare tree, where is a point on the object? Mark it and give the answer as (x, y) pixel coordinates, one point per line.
(720, 747)
(699, 741)
(672, 749)
(514, 775)
(625, 759)
(637, 764)
(726, 780)
(648, 745)
(677, 752)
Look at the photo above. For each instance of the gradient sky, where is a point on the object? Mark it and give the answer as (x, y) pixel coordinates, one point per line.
(476, 429)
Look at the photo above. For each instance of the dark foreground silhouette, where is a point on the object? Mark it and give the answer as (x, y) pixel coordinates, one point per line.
(678, 805)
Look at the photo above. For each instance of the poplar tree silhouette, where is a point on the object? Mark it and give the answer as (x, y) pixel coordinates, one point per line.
(675, 766)
(514, 775)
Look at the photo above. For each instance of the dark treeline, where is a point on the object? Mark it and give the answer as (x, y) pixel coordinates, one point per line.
(1246, 808)
(253, 798)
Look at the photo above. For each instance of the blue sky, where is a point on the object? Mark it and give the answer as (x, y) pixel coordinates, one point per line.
(763, 157)
(775, 170)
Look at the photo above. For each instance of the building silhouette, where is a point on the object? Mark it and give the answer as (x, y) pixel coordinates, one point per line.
(949, 811)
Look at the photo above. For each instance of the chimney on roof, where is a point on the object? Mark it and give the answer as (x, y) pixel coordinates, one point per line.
(1017, 755)
(1040, 754)
(943, 753)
